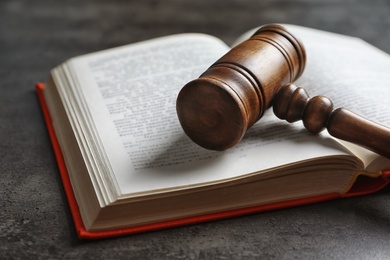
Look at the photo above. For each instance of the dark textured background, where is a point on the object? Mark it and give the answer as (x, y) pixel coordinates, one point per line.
(34, 218)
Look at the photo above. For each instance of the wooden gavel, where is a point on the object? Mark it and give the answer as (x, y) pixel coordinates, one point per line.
(216, 109)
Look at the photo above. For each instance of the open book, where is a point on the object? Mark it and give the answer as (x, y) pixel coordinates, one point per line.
(128, 167)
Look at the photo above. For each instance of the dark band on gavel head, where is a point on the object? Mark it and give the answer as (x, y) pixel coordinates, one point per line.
(216, 109)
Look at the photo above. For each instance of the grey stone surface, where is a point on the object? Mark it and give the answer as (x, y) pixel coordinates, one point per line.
(35, 222)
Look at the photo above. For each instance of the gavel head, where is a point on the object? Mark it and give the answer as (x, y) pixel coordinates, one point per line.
(216, 109)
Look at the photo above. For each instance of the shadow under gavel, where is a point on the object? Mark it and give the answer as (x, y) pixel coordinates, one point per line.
(216, 109)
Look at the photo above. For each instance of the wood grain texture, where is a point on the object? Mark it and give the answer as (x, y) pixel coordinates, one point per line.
(236, 90)
(217, 109)
(293, 103)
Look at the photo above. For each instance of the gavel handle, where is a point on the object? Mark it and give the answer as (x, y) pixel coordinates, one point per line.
(293, 103)
(348, 126)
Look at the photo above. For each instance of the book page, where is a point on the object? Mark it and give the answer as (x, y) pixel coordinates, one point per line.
(130, 94)
(352, 73)
(348, 70)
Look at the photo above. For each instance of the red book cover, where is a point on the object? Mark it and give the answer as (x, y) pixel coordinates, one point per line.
(363, 185)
